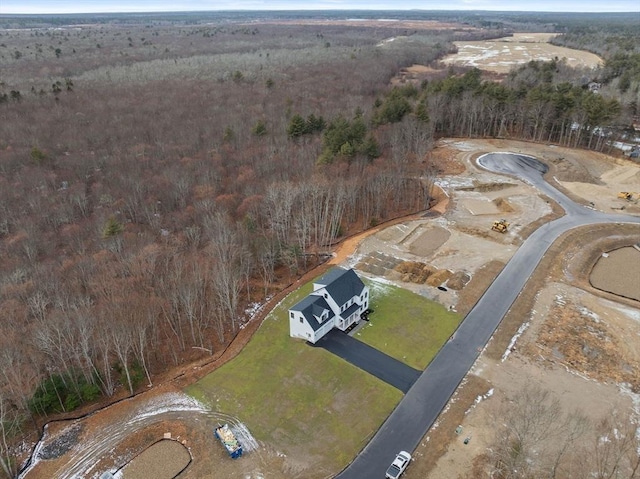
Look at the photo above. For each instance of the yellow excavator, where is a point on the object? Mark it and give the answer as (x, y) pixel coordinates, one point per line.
(500, 226)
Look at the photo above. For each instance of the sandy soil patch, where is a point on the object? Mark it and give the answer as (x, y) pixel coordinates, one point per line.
(478, 206)
(414, 74)
(585, 176)
(522, 37)
(621, 175)
(502, 54)
(162, 460)
(618, 272)
(429, 240)
(603, 197)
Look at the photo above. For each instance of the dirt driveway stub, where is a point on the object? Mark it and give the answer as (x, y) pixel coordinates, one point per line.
(570, 339)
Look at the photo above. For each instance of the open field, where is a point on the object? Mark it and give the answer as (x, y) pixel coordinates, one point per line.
(502, 54)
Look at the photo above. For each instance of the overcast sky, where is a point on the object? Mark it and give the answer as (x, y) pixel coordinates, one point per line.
(92, 6)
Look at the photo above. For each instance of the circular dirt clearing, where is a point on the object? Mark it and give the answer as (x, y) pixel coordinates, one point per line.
(429, 241)
(618, 272)
(163, 460)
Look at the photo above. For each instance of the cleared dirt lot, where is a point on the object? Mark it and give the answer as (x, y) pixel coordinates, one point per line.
(501, 54)
(563, 335)
(559, 307)
(162, 460)
(618, 272)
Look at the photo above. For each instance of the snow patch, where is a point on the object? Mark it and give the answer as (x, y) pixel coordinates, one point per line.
(35, 456)
(386, 40)
(380, 285)
(589, 314)
(243, 435)
(454, 182)
(479, 399)
(633, 314)
(170, 402)
(512, 343)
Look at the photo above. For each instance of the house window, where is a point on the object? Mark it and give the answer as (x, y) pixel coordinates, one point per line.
(325, 295)
(301, 320)
(292, 315)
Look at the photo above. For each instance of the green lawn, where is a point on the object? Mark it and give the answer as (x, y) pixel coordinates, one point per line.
(290, 394)
(295, 397)
(405, 325)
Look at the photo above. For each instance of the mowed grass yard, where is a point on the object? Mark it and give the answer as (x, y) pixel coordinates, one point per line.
(405, 325)
(308, 403)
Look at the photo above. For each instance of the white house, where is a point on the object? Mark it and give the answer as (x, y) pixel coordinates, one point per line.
(338, 300)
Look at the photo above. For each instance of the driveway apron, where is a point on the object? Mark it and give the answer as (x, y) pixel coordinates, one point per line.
(369, 359)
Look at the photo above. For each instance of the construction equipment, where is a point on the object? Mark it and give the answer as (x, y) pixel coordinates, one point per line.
(500, 226)
(625, 195)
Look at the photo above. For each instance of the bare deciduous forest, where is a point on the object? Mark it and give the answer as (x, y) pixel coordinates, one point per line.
(160, 174)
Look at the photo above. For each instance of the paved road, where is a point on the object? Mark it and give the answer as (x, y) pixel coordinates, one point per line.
(420, 407)
(363, 356)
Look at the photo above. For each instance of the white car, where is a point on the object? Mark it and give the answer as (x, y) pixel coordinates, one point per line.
(398, 465)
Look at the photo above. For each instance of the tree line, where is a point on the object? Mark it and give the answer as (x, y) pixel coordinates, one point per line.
(140, 217)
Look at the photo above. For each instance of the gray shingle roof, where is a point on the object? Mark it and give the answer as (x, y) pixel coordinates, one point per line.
(313, 305)
(342, 284)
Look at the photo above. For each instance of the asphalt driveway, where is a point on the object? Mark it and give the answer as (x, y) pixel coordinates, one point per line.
(369, 359)
(421, 405)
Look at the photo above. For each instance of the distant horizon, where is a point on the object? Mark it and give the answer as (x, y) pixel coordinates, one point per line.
(68, 7)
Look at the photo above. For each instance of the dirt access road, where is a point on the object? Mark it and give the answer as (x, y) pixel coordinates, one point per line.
(459, 240)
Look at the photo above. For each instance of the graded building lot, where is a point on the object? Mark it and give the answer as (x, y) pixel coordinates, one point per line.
(618, 272)
(557, 348)
(163, 460)
(289, 437)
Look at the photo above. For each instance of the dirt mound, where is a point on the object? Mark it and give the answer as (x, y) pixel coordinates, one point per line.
(439, 277)
(422, 273)
(485, 187)
(571, 169)
(503, 205)
(414, 272)
(458, 280)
